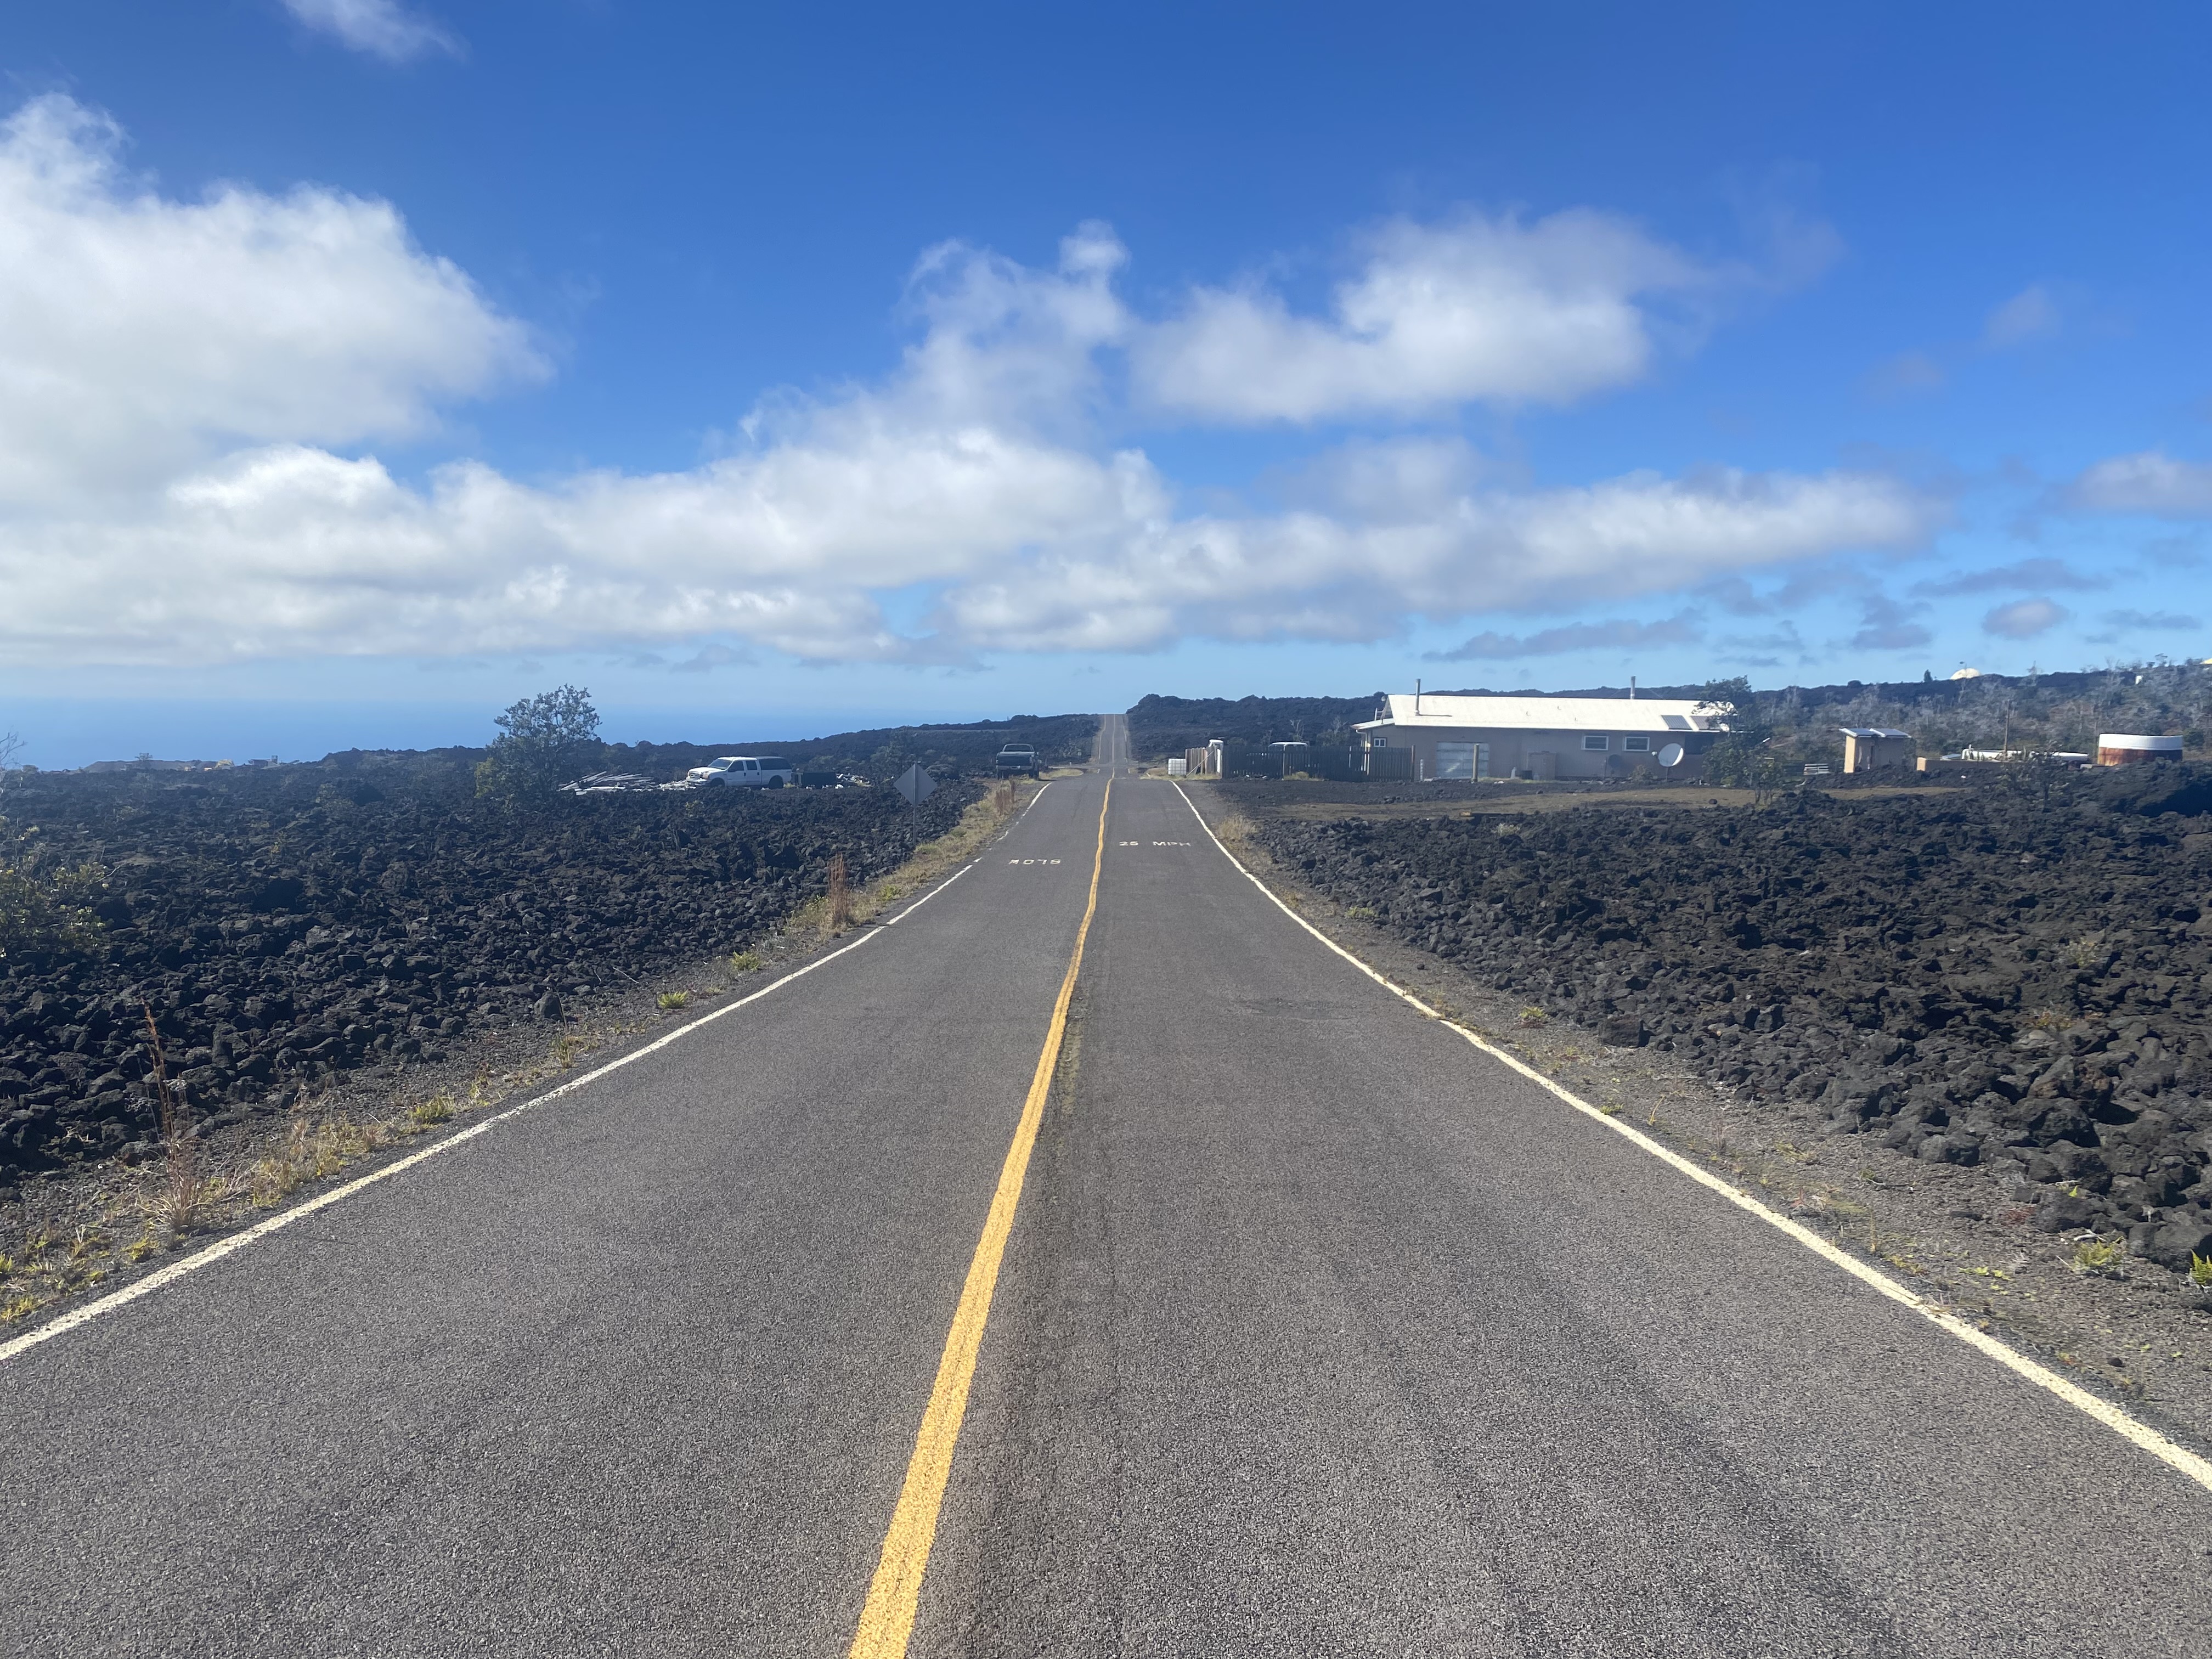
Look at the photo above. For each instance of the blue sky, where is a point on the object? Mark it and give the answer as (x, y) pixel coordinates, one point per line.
(770, 370)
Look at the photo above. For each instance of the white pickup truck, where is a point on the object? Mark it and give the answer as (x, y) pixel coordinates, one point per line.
(746, 771)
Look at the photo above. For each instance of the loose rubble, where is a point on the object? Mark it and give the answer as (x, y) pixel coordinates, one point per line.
(291, 927)
(2012, 975)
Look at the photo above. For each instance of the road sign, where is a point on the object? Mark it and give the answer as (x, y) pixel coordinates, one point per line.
(916, 785)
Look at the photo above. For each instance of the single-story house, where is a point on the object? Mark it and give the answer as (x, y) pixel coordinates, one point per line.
(1421, 736)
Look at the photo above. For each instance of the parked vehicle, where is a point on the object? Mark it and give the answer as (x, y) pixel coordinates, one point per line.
(745, 771)
(1017, 757)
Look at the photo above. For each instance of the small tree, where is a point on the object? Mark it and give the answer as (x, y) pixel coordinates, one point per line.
(1744, 756)
(544, 742)
(49, 915)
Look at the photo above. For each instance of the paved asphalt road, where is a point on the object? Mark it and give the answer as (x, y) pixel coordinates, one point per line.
(1318, 1333)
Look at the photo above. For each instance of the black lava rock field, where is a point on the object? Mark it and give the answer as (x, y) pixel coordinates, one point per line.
(2011, 974)
(294, 924)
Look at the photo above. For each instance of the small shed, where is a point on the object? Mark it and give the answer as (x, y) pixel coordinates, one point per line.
(1869, 748)
(2129, 749)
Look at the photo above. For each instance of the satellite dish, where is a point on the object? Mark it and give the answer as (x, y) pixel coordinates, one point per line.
(1671, 754)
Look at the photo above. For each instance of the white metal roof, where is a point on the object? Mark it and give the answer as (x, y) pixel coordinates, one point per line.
(1654, 714)
(1872, 731)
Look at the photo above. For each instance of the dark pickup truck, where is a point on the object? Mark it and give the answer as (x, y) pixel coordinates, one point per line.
(1017, 757)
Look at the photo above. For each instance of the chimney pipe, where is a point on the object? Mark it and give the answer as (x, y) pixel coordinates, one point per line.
(1631, 687)
(1417, 696)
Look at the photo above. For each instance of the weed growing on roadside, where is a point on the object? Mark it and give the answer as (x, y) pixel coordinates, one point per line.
(2200, 1272)
(669, 1001)
(22, 1307)
(438, 1109)
(1532, 1015)
(310, 1151)
(745, 962)
(2098, 1256)
(139, 1249)
(1360, 913)
(179, 1203)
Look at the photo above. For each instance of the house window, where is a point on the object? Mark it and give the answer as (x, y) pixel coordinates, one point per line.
(1636, 745)
(1597, 742)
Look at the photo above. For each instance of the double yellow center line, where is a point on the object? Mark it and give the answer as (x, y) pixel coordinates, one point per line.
(887, 1621)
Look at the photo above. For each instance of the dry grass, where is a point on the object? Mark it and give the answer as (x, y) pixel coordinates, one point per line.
(315, 1148)
(932, 861)
(670, 1002)
(182, 1194)
(190, 1190)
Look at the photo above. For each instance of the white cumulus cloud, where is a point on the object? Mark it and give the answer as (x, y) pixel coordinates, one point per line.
(1480, 308)
(190, 384)
(382, 28)
(1340, 576)
(140, 334)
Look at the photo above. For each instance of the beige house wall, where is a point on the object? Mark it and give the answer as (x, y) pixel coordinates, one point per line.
(1513, 747)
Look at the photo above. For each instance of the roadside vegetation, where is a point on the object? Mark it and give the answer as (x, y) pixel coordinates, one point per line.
(843, 906)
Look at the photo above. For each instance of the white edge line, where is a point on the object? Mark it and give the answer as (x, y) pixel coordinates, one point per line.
(238, 1241)
(2128, 1428)
(1039, 796)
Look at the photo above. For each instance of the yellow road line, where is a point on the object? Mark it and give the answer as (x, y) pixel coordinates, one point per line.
(2132, 1430)
(887, 1621)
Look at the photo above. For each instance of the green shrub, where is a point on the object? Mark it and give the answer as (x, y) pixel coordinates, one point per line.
(47, 915)
(544, 741)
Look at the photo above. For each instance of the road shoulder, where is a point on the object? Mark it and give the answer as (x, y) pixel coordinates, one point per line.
(1950, 1234)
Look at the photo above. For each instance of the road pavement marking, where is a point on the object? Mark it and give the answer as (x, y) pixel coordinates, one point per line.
(887, 1620)
(2143, 1434)
(238, 1241)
